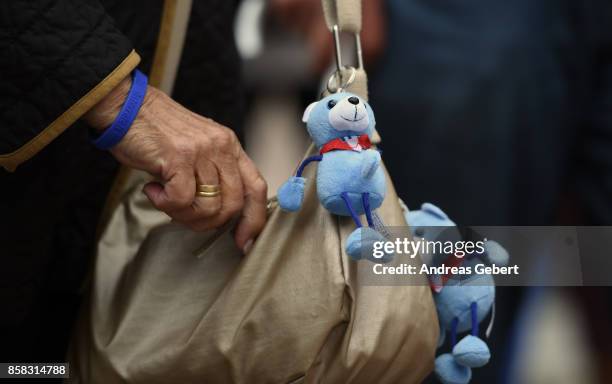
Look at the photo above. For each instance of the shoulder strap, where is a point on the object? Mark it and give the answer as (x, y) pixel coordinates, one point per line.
(345, 16)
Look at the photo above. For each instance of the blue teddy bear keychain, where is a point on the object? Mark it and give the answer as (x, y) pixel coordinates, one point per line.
(350, 179)
(461, 303)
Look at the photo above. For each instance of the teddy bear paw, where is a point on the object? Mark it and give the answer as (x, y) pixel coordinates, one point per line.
(291, 194)
(449, 372)
(472, 352)
(360, 244)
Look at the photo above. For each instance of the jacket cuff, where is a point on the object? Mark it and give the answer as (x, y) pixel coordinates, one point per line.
(10, 161)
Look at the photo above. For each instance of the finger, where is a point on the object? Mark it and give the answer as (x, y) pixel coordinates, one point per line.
(207, 174)
(253, 216)
(232, 191)
(174, 194)
(202, 207)
(232, 196)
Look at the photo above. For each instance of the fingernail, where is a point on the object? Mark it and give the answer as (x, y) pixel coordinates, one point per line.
(247, 246)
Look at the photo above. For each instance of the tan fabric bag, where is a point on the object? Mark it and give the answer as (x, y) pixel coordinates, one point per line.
(185, 307)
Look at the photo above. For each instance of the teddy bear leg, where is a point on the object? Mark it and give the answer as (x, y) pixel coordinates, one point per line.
(353, 243)
(472, 351)
(360, 242)
(447, 370)
(350, 208)
(453, 332)
(365, 198)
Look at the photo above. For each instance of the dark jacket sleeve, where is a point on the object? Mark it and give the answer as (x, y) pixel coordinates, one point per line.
(59, 58)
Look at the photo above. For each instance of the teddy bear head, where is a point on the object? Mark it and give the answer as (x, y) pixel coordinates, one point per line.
(431, 223)
(338, 115)
(423, 222)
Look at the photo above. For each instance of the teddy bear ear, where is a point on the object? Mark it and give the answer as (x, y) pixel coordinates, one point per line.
(307, 111)
(434, 210)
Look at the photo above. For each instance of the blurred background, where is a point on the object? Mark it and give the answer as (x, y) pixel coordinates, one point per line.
(499, 112)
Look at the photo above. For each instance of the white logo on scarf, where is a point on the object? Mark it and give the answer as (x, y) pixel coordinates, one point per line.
(353, 142)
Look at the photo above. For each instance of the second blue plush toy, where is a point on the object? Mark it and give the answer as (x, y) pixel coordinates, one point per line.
(461, 303)
(350, 179)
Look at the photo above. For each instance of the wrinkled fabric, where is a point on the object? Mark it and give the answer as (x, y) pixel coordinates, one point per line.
(186, 307)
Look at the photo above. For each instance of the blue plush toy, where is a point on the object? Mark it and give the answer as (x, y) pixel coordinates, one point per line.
(350, 179)
(461, 303)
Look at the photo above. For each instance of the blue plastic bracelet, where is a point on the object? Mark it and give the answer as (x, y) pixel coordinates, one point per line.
(113, 134)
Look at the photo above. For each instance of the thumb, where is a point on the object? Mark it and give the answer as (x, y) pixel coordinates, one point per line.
(155, 192)
(174, 194)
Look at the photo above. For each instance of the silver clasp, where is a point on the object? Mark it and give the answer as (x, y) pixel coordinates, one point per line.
(336, 82)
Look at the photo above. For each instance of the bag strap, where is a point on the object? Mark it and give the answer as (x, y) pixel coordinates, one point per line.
(345, 16)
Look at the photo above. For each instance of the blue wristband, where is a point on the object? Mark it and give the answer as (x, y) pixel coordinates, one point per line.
(113, 134)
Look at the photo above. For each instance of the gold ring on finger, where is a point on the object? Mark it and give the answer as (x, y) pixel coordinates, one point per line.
(208, 190)
(208, 194)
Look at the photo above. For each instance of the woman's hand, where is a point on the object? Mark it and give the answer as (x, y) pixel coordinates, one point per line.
(183, 149)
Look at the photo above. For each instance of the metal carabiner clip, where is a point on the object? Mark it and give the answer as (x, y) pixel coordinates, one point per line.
(336, 83)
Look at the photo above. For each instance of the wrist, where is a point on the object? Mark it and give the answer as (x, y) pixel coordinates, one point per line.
(102, 115)
(123, 120)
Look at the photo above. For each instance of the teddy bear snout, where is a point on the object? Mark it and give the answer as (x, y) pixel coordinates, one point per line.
(349, 114)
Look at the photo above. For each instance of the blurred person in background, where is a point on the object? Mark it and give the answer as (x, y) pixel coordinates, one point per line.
(66, 68)
(505, 120)
(499, 112)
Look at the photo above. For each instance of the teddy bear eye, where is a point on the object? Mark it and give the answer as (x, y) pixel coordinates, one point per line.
(331, 104)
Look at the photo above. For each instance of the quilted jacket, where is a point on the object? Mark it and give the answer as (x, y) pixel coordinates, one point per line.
(60, 57)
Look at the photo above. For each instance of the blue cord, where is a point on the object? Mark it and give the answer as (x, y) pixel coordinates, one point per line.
(474, 308)
(117, 130)
(351, 210)
(365, 197)
(453, 333)
(306, 162)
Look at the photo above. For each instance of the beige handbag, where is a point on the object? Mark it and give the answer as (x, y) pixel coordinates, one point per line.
(168, 305)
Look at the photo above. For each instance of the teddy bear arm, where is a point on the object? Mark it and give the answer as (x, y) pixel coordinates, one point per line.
(371, 162)
(291, 194)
